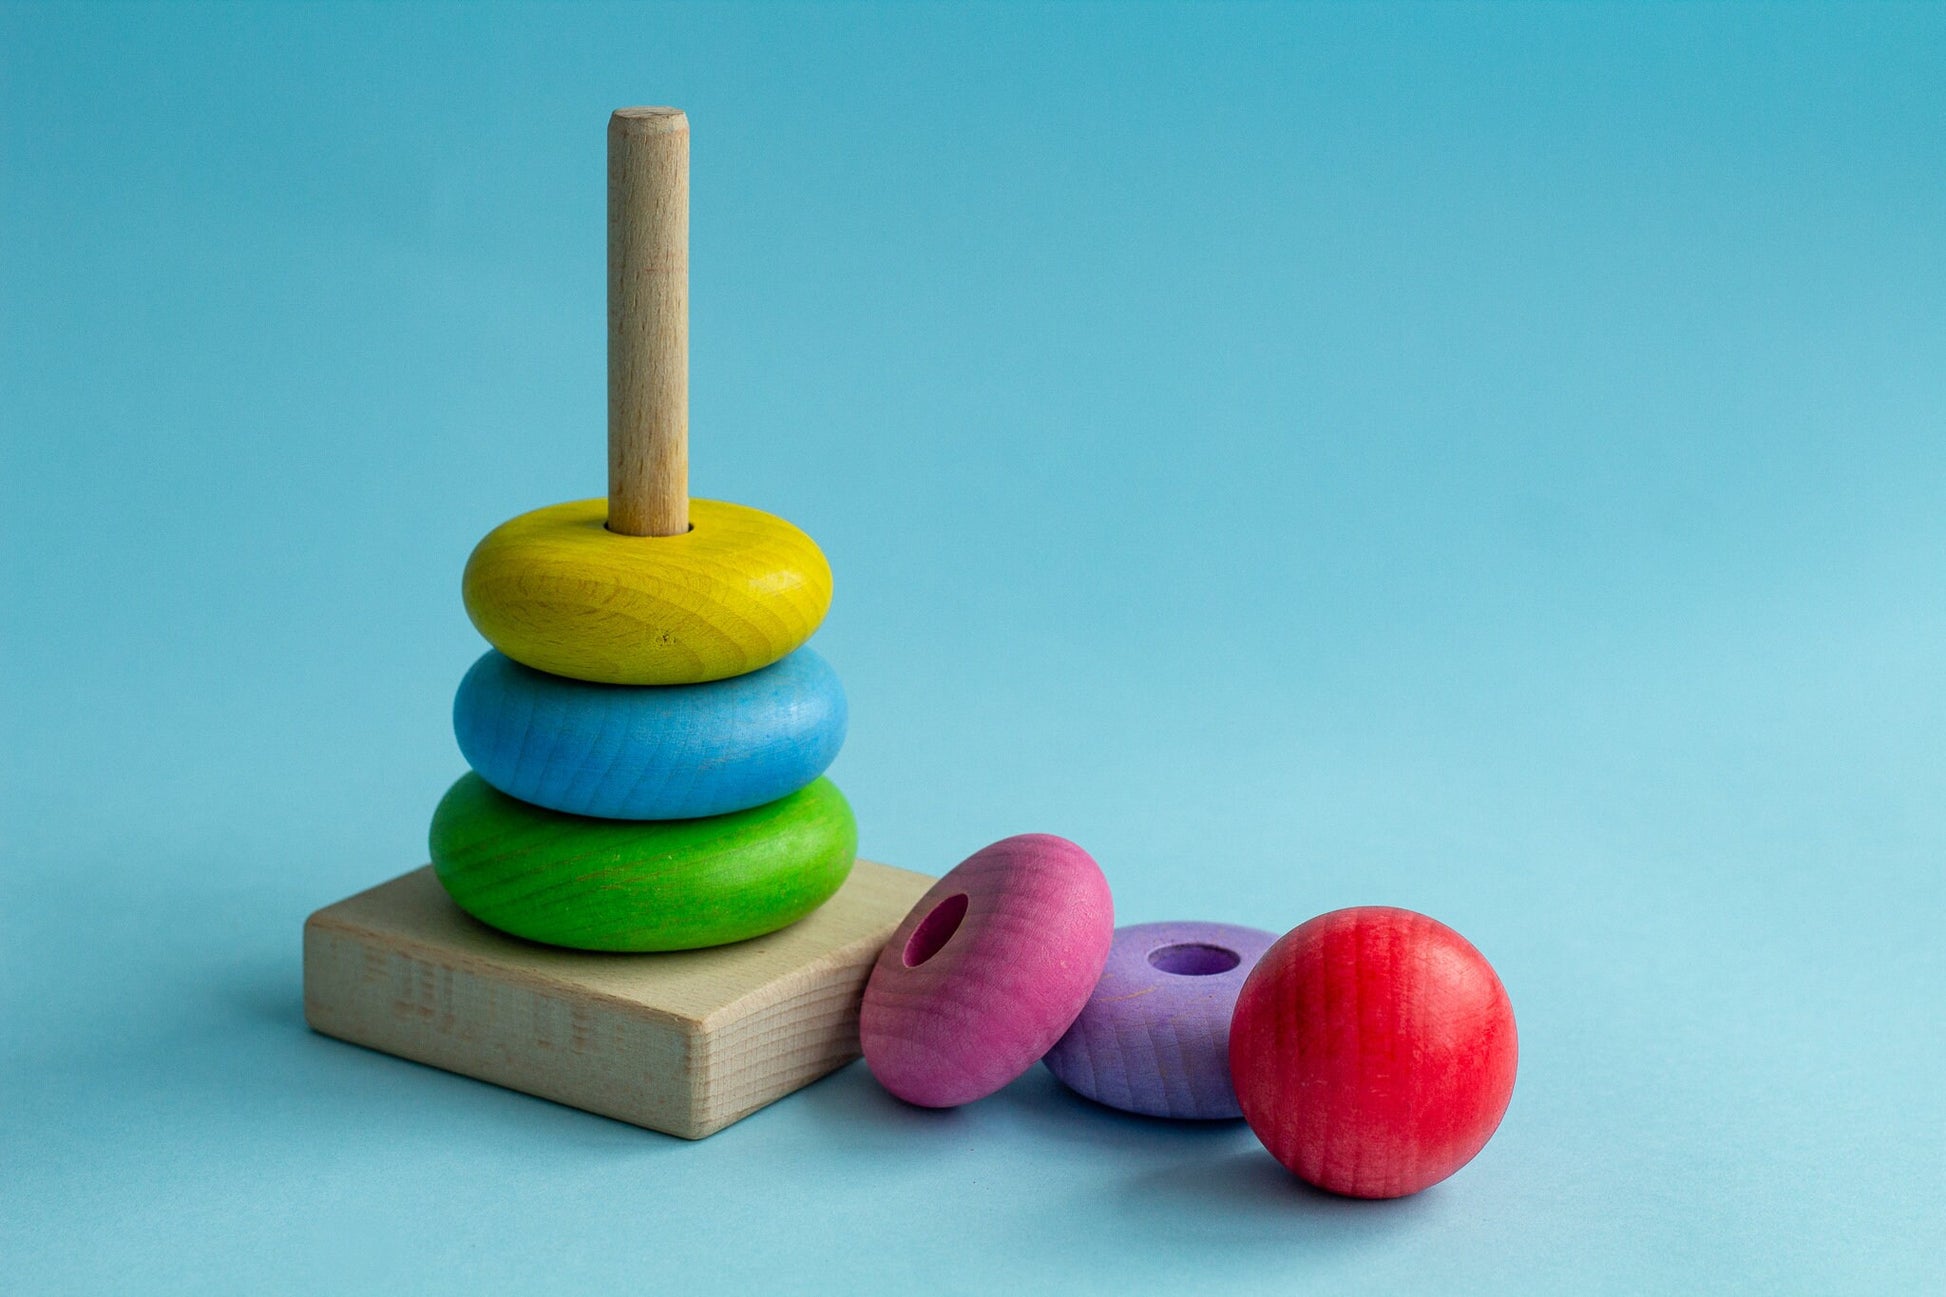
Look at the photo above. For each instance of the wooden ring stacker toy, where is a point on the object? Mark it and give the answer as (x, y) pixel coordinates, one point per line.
(987, 971)
(610, 885)
(632, 753)
(1154, 1037)
(690, 1040)
(648, 587)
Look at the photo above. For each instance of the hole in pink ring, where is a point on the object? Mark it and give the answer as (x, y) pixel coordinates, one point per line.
(1193, 959)
(935, 930)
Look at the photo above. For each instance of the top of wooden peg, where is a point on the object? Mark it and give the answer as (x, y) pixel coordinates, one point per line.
(648, 322)
(649, 120)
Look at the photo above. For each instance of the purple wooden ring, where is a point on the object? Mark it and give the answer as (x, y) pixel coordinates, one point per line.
(1154, 1037)
(987, 971)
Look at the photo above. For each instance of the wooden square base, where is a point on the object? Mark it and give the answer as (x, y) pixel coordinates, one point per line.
(685, 1042)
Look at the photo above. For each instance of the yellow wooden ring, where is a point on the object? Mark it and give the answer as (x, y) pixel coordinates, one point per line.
(557, 590)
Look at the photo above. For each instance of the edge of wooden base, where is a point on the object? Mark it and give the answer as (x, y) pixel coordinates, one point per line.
(684, 1043)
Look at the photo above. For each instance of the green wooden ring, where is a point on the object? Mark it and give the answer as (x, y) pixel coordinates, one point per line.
(591, 884)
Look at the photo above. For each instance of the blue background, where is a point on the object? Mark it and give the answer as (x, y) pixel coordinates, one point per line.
(1483, 460)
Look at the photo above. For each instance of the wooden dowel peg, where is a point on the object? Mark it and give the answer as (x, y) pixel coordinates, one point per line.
(735, 589)
(648, 322)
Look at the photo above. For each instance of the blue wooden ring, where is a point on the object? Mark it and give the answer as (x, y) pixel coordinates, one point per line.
(650, 752)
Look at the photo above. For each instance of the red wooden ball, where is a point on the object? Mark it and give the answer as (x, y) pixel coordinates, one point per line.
(1373, 1051)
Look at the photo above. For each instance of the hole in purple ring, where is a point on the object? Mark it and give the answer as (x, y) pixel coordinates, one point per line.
(1193, 959)
(936, 929)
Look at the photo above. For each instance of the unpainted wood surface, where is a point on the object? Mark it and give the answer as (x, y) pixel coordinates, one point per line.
(648, 322)
(684, 1042)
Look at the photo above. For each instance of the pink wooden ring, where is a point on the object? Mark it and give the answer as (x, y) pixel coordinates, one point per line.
(988, 971)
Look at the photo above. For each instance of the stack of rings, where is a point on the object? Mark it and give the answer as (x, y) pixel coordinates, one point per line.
(648, 734)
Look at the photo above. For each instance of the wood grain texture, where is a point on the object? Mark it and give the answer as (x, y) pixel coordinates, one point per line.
(556, 590)
(1373, 1051)
(684, 1043)
(988, 970)
(626, 885)
(648, 322)
(1154, 1037)
(639, 752)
